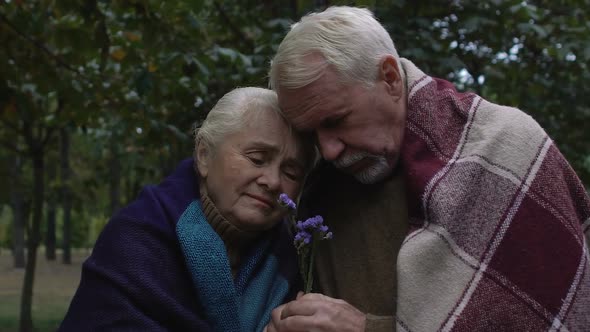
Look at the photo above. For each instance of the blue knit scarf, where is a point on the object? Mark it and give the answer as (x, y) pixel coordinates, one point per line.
(243, 304)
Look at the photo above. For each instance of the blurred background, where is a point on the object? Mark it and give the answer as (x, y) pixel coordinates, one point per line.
(99, 98)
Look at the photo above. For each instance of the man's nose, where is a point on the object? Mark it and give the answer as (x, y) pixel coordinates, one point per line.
(330, 145)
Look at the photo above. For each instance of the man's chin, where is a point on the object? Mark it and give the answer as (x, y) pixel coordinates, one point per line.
(372, 178)
(371, 174)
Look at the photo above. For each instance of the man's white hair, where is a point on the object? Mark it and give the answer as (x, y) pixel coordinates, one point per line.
(348, 39)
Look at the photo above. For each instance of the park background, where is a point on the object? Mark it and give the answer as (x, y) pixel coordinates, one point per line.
(99, 98)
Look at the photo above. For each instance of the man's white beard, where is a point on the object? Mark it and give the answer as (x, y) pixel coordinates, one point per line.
(376, 172)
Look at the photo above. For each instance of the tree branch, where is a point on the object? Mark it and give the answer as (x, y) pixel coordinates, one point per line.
(11, 126)
(29, 137)
(239, 34)
(48, 136)
(102, 35)
(61, 62)
(12, 147)
(50, 130)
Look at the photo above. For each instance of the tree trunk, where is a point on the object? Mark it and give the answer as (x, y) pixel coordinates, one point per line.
(34, 234)
(66, 194)
(51, 211)
(115, 177)
(20, 212)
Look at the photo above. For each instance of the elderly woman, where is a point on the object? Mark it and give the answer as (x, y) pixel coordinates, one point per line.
(207, 248)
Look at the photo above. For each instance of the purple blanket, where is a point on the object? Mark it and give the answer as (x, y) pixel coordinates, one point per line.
(137, 278)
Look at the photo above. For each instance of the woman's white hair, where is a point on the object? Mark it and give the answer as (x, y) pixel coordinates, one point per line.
(348, 39)
(237, 108)
(228, 115)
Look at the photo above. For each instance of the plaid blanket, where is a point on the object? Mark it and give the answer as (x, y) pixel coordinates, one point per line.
(500, 221)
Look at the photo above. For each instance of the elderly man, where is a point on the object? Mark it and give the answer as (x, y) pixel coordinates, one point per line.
(467, 217)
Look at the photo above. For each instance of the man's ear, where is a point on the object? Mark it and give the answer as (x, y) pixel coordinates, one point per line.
(203, 155)
(390, 73)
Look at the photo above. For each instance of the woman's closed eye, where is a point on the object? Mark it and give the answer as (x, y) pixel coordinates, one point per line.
(258, 158)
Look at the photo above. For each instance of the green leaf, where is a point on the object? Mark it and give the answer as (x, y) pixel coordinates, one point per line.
(541, 32)
(143, 82)
(246, 60)
(52, 102)
(228, 53)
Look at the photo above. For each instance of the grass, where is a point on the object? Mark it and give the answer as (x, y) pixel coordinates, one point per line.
(55, 284)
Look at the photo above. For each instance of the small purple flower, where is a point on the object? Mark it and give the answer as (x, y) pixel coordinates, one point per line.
(317, 221)
(306, 229)
(285, 201)
(301, 236)
(313, 223)
(307, 234)
(299, 226)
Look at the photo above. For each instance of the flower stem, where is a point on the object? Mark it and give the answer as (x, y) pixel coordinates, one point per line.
(309, 279)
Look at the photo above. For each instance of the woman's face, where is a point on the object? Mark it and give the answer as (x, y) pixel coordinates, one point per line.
(248, 170)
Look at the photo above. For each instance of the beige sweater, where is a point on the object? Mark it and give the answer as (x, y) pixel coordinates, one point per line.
(369, 223)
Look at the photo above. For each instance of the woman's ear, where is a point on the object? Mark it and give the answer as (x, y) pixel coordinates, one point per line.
(203, 155)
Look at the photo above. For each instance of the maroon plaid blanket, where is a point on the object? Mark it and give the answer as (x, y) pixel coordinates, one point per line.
(501, 221)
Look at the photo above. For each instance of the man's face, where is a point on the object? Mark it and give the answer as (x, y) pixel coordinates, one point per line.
(358, 129)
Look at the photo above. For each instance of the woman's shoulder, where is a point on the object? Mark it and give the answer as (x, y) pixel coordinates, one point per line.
(162, 205)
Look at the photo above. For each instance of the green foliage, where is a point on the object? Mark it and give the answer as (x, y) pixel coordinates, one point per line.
(81, 229)
(129, 78)
(133, 76)
(532, 55)
(96, 225)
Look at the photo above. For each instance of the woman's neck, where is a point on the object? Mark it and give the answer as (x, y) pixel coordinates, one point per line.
(236, 241)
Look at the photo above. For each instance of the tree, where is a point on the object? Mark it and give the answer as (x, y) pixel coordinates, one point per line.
(38, 105)
(51, 211)
(20, 211)
(64, 152)
(532, 55)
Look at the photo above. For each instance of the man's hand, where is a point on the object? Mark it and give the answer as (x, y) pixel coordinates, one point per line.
(316, 312)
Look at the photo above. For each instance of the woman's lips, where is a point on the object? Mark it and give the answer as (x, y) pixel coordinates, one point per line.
(267, 202)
